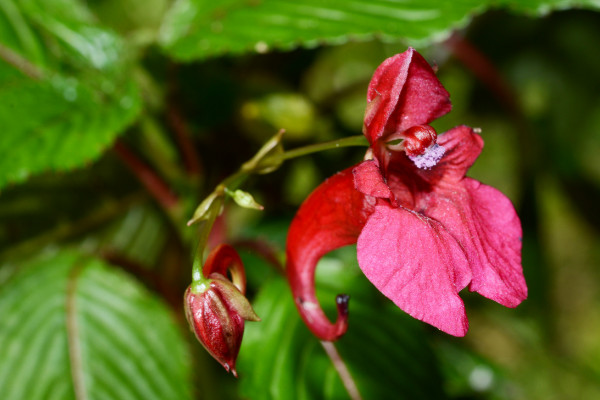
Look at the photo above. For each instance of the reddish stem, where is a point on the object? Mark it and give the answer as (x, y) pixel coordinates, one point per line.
(184, 141)
(342, 370)
(483, 69)
(183, 135)
(263, 249)
(155, 185)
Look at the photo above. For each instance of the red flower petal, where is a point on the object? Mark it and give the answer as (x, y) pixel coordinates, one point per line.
(368, 180)
(415, 262)
(403, 92)
(331, 217)
(223, 259)
(463, 146)
(498, 275)
(486, 225)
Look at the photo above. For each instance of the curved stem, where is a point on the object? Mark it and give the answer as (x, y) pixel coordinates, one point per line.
(208, 211)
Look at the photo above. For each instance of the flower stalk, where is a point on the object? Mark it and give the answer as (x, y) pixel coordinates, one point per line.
(266, 160)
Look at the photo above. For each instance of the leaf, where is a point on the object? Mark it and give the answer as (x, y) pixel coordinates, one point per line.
(384, 349)
(76, 328)
(65, 87)
(198, 29)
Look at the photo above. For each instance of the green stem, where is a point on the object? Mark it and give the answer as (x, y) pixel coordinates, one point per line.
(233, 181)
(199, 282)
(359, 140)
(209, 213)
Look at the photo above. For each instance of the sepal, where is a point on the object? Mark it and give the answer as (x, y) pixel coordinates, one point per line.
(331, 217)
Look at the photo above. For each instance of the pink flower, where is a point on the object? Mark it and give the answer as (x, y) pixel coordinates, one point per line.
(424, 231)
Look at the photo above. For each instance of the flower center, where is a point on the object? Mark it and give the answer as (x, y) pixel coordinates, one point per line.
(429, 158)
(419, 144)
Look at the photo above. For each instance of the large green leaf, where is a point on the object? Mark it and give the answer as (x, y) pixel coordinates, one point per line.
(65, 87)
(384, 349)
(200, 28)
(72, 327)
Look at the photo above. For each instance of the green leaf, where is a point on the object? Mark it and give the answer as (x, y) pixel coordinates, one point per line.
(72, 327)
(198, 29)
(66, 89)
(384, 349)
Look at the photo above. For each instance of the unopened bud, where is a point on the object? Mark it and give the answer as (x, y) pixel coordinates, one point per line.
(217, 317)
(244, 199)
(216, 308)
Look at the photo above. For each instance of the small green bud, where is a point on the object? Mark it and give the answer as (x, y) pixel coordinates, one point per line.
(244, 199)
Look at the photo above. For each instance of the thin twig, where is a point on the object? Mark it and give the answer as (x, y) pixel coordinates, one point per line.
(342, 370)
(350, 141)
(183, 135)
(155, 185)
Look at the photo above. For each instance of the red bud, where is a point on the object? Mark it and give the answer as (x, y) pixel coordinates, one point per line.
(418, 138)
(216, 309)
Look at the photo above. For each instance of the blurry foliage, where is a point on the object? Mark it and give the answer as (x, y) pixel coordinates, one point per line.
(76, 76)
(89, 331)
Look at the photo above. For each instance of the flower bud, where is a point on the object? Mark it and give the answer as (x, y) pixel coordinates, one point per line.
(418, 139)
(244, 199)
(216, 310)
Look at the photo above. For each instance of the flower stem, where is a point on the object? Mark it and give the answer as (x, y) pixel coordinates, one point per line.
(183, 135)
(233, 181)
(155, 185)
(342, 370)
(208, 210)
(359, 140)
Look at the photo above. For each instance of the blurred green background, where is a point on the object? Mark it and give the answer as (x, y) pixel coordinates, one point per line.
(93, 264)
